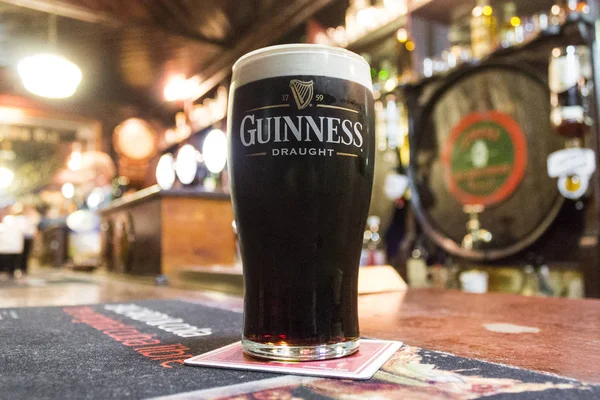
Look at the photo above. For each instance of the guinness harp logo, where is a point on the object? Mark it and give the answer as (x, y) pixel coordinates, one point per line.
(303, 92)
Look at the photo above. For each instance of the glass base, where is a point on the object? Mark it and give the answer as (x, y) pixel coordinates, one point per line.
(300, 353)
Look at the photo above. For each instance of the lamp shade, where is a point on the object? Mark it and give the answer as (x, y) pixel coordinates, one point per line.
(214, 151)
(135, 139)
(165, 172)
(186, 164)
(49, 75)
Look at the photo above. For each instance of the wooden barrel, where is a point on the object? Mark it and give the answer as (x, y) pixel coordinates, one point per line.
(483, 138)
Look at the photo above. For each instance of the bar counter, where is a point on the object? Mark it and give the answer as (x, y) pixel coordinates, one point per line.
(558, 336)
(158, 232)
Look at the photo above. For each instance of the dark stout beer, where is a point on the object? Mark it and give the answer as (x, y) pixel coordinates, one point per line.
(301, 162)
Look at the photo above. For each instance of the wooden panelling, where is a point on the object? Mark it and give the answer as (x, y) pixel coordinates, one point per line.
(135, 237)
(156, 232)
(146, 244)
(196, 232)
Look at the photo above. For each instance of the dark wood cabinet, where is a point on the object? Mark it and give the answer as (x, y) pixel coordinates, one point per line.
(156, 232)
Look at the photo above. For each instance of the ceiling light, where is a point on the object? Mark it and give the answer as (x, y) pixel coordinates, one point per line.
(49, 75)
(180, 88)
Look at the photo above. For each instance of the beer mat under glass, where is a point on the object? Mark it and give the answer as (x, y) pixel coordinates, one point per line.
(360, 365)
(136, 350)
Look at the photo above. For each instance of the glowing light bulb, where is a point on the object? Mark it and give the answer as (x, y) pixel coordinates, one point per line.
(165, 172)
(95, 198)
(180, 88)
(68, 190)
(367, 18)
(390, 84)
(214, 151)
(186, 164)
(402, 35)
(74, 163)
(49, 75)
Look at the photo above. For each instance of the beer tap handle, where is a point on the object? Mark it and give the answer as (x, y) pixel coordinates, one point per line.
(476, 235)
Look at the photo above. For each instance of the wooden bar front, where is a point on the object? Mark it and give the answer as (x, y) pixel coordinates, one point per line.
(155, 232)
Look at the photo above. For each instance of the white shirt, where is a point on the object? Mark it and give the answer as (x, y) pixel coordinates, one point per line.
(20, 223)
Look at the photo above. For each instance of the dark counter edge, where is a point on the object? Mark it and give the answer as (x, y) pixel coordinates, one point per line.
(153, 192)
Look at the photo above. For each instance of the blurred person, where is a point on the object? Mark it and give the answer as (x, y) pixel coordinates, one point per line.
(23, 223)
(43, 210)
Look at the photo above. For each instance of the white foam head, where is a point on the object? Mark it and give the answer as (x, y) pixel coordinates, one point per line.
(301, 59)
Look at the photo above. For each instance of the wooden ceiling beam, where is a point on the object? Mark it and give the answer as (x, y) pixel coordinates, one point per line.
(168, 18)
(66, 9)
(70, 9)
(273, 25)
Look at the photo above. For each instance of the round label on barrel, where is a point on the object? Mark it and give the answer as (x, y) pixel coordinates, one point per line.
(485, 158)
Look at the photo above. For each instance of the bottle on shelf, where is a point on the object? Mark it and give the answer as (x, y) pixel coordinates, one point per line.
(385, 73)
(395, 7)
(372, 252)
(416, 266)
(459, 36)
(569, 76)
(454, 271)
(562, 8)
(569, 79)
(483, 29)
(380, 126)
(405, 47)
(570, 6)
(392, 117)
(354, 29)
(512, 32)
(530, 285)
(544, 280)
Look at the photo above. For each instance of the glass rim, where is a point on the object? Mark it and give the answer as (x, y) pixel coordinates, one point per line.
(298, 48)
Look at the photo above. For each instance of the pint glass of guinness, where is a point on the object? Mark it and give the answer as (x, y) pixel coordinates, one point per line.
(301, 156)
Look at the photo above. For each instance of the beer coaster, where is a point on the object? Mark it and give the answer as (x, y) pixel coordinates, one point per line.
(363, 364)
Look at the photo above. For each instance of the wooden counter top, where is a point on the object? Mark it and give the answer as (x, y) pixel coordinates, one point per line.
(560, 336)
(556, 335)
(154, 191)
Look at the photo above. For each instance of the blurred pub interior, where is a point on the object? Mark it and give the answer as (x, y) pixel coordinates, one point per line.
(113, 138)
